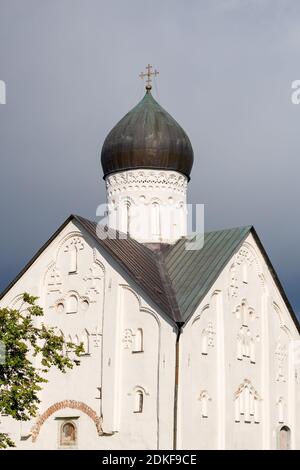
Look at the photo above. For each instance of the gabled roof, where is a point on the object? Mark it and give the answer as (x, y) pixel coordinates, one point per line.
(176, 279)
(193, 272)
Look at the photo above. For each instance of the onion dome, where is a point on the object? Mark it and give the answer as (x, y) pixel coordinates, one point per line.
(147, 137)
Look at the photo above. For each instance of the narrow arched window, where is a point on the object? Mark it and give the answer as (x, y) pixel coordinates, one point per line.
(124, 217)
(138, 401)
(72, 304)
(284, 438)
(204, 343)
(245, 273)
(73, 259)
(138, 341)
(68, 434)
(182, 218)
(155, 219)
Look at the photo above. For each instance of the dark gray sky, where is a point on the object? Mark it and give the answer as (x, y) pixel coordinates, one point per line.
(226, 67)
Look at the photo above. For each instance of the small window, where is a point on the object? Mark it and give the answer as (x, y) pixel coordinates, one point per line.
(68, 434)
(204, 344)
(138, 341)
(284, 438)
(73, 260)
(245, 273)
(72, 304)
(139, 402)
(155, 216)
(60, 307)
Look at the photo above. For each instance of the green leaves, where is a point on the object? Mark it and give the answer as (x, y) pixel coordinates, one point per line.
(24, 341)
(5, 441)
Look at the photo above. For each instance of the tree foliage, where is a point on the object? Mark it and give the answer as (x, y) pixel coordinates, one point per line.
(28, 350)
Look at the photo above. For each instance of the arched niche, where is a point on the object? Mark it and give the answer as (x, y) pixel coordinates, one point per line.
(72, 404)
(284, 438)
(246, 274)
(69, 251)
(204, 327)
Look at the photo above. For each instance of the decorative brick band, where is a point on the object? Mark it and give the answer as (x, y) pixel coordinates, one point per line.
(76, 405)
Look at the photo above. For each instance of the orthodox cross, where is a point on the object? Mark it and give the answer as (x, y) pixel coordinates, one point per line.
(149, 74)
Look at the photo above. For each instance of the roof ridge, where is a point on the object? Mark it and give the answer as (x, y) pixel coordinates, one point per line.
(164, 273)
(241, 227)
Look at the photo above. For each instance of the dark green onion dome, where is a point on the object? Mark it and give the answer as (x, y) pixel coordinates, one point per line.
(147, 137)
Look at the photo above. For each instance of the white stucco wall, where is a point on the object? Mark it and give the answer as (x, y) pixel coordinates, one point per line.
(243, 314)
(111, 308)
(234, 351)
(148, 204)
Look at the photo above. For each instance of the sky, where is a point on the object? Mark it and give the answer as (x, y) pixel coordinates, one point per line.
(225, 73)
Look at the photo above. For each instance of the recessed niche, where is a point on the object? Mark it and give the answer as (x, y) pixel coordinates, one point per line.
(60, 307)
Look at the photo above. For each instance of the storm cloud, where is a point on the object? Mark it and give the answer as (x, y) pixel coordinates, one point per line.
(226, 68)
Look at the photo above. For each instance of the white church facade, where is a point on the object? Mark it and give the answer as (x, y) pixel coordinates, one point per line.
(183, 349)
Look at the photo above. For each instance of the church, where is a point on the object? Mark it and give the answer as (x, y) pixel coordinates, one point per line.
(189, 340)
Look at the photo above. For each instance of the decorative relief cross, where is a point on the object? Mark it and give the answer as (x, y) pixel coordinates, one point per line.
(93, 280)
(204, 399)
(127, 338)
(244, 255)
(233, 288)
(97, 336)
(281, 356)
(210, 333)
(148, 74)
(54, 283)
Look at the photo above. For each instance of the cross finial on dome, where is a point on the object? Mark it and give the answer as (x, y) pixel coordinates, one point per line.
(149, 74)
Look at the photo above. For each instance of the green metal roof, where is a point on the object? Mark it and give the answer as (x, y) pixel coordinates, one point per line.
(193, 272)
(174, 277)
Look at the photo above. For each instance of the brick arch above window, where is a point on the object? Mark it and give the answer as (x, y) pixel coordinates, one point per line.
(76, 405)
